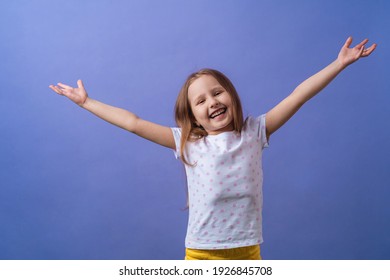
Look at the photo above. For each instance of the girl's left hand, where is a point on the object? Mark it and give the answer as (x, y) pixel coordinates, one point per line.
(349, 55)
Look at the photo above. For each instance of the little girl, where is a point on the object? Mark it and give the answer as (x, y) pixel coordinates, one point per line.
(221, 151)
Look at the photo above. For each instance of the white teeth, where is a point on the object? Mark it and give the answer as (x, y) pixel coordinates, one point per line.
(217, 113)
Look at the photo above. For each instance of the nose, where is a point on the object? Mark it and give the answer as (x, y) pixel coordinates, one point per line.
(214, 102)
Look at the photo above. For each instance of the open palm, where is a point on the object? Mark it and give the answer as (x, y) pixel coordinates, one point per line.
(77, 95)
(349, 55)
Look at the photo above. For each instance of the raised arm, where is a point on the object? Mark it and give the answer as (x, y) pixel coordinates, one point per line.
(122, 118)
(282, 112)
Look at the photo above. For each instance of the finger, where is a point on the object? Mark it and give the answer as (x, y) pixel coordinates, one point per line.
(56, 89)
(362, 43)
(61, 91)
(348, 42)
(361, 51)
(369, 50)
(64, 86)
(80, 84)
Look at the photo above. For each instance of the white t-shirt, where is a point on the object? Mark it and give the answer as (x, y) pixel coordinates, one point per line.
(225, 187)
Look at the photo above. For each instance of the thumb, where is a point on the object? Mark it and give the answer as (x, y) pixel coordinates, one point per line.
(348, 42)
(80, 84)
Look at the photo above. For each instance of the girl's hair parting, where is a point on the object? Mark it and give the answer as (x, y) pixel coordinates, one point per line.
(185, 119)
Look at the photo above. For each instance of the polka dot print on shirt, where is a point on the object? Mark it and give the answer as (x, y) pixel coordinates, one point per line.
(225, 187)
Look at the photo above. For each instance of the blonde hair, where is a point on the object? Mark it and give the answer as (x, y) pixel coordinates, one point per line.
(185, 119)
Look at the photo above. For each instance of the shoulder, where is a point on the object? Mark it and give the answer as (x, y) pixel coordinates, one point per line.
(253, 123)
(256, 127)
(176, 131)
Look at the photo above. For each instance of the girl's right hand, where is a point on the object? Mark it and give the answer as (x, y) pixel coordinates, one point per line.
(77, 95)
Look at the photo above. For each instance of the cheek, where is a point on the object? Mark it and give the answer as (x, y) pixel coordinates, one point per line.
(198, 115)
(229, 101)
(226, 99)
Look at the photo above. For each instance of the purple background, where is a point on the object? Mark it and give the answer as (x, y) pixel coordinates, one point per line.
(75, 187)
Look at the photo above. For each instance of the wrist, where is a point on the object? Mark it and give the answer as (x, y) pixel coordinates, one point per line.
(86, 103)
(340, 66)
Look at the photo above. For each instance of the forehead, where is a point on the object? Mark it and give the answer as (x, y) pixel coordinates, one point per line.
(202, 85)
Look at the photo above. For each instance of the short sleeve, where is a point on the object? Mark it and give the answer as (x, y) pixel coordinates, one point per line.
(263, 131)
(176, 136)
(257, 125)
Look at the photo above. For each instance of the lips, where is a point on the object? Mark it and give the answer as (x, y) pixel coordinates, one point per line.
(217, 113)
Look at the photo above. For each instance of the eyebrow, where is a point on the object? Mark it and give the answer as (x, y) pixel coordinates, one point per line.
(218, 87)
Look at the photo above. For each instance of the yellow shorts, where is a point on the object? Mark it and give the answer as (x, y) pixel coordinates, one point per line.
(241, 253)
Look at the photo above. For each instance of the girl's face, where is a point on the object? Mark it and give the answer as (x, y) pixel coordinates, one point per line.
(211, 105)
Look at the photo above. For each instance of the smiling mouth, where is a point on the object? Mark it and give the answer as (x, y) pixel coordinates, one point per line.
(217, 113)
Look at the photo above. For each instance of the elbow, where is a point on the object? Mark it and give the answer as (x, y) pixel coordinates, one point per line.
(131, 123)
(297, 98)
